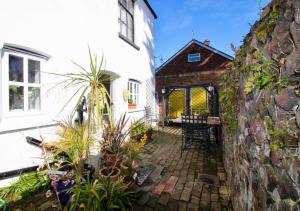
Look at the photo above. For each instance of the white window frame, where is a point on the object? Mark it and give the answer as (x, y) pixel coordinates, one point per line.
(194, 57)
(135, 95)
(129, 14)
(6, 83)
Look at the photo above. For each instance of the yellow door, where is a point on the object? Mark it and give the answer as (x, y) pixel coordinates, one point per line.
(198, 100)
(176, 103)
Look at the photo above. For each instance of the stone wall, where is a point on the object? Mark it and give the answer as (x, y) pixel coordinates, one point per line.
(262, 149)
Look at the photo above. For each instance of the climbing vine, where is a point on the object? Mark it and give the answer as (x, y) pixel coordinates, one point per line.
(265, 74)
(229, 96)
(268, 25)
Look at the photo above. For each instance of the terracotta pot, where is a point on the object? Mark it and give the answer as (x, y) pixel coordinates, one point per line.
(131, 106)
(130, 182)
(110, 173)
(124, 167)
(110, 159)
(149, 135)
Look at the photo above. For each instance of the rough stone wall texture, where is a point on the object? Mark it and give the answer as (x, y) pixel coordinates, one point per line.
(262, 152)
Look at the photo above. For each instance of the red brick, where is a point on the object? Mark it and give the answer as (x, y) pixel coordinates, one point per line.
(159, 188)
(170, 184)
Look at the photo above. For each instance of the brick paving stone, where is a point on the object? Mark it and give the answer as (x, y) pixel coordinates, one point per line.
(172, 205)
(189, 185)
(185, 195)
(164, 198)
(193, 207)
(152, 201)
(216, 206)
(205, 197)
(176, 194)
(195, 200)
(170, 185)
(182, 206)
(196, 193)
(159, 188)
(204, 205)
(214, 197)
(189, 191)
(143, 199)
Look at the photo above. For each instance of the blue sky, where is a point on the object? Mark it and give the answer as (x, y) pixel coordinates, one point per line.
(221, 21)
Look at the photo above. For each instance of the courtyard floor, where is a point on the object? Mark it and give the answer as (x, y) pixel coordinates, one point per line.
(195, 181)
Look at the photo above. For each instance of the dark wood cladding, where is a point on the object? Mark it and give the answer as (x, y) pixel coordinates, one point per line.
(209, 61)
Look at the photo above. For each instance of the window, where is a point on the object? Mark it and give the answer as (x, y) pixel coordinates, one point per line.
(133, 92)
(195, 57)
(24, 82)
(126, 19)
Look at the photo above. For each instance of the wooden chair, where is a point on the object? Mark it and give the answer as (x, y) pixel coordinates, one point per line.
(194, 130)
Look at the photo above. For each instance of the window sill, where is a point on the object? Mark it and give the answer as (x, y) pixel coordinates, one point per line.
(129, 42)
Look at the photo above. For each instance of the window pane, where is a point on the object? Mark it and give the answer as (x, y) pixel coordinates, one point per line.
(130, 6)
(130, 35)
(15, 68)
(123, 29)
(16, 97)
(122, 14)
(34, 98)
(33, 71)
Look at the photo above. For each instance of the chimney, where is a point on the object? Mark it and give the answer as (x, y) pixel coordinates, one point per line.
(206, 42)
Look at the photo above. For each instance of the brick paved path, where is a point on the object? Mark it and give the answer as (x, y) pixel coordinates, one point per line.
(195, 181)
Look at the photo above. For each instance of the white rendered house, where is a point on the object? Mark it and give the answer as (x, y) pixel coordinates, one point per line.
(41, 37)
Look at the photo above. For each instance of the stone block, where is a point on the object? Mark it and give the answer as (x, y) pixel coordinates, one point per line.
(185, 195)
(295, 31)
(287, 99)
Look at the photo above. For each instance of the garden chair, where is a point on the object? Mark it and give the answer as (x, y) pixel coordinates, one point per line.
(194, 130)
(151, 117)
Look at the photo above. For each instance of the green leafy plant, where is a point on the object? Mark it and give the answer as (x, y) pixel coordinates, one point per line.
(28, 184)
(268, 25)
(115, 134)
(102, 194)
(264, 74)
(229, 96)
(279, 134)
(74, 143)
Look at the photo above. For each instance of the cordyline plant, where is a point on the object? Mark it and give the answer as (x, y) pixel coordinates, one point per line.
(91, 83)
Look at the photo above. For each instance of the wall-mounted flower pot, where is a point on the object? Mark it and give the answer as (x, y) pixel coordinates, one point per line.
(131, 106)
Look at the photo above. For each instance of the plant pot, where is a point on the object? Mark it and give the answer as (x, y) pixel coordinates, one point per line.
(130, 182)
(131, 106)
(110, 173)
(149, 135)
(124, 167)
(110, 159)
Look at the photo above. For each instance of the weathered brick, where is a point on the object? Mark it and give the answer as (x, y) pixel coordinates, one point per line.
(185, 195)
(170, 185)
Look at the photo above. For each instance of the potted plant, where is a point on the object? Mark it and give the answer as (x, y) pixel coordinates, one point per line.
(111, 173)
(114, 135)
(131, 105)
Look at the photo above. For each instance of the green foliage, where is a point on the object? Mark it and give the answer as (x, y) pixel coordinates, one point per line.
(279, 134)
(242, 52)
(27, 185)
(73, 142)
(229, 97)
(268, 25)
(101, 194)
(297, 91)
(264, 76)
(291, 202)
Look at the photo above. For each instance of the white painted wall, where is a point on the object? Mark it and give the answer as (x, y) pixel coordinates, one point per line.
(64, 29)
